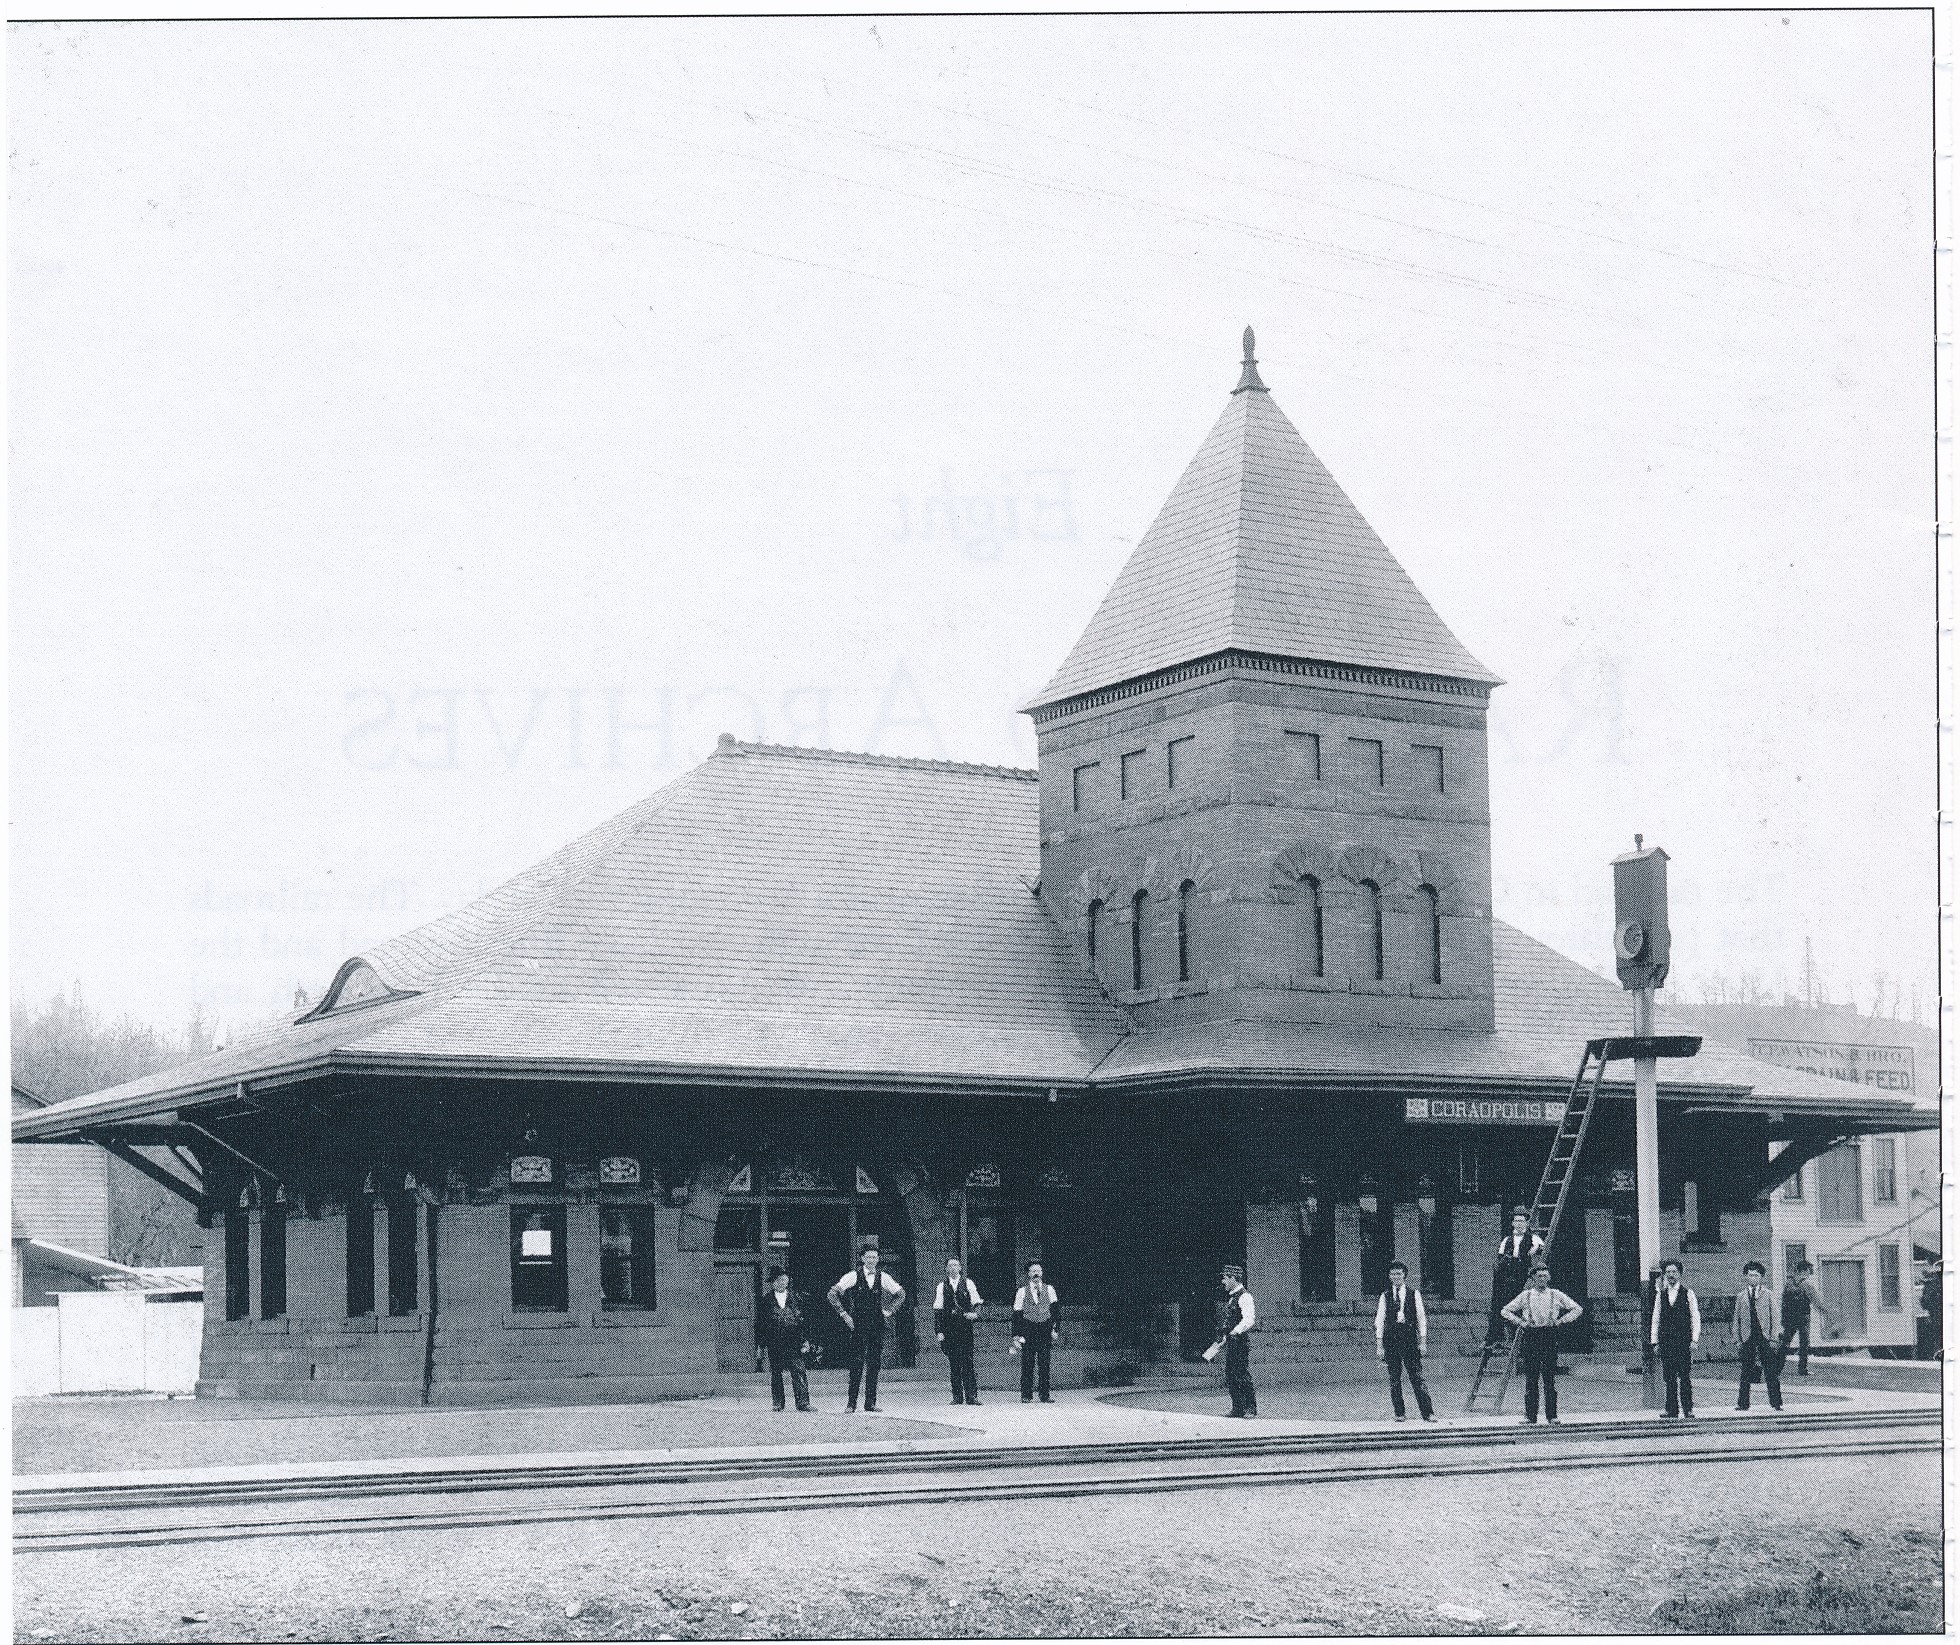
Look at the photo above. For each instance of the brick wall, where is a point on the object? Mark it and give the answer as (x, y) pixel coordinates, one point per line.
(1246, 816)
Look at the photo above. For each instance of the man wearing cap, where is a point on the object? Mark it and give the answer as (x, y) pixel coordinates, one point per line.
(1538, 1311)
(1240, 1315)
(779, 1332)
(866, 1300)
(1401, 1336)
(1515, 1254)
(1755, 1338)
(1673, 1332)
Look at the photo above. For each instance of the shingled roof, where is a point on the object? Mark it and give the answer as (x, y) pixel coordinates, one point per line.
(1259, 549)
(793, 916)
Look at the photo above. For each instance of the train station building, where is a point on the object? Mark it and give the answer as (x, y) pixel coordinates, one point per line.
(1220, 980)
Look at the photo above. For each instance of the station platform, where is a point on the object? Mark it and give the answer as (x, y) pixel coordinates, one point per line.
(70, 1442)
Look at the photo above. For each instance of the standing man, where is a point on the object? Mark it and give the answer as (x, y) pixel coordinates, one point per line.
(1538, 1311)
(866, 1300)
(1401, 1338)
(1037, 1328)
(1800, 1301)
(1515, 1254)
(1236, 1327)
(779, 1332)
(955, 1306)
(1755, 1338)
(1673, 1331)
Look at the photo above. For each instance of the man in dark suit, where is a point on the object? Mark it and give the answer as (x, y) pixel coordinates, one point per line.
(779, 1333)
(866, 1300)
(1515, 1254)
(1757, 1352)
(955, 1306)
(1673, 1332)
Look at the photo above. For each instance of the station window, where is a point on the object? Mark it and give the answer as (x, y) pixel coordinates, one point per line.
(1429, 908)
(1138, 904)
(1427, 761)
(360, 1256)
(1885, 1171)
(403, 1268)
(1129, 774)
(272, 1262)
(1177, 760)
(1793, 1185)
(1315, 921)
(1371, 903)
(1079, 791)
(1090, 925)
(626, 1256)
(1888, 1277)
(1365, 755)
(537, 1259)
(1303, 754)
(238, 1265)
(989, 1254)
(1184, 896)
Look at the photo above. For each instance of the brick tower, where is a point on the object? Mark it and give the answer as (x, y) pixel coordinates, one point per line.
(1263, 779)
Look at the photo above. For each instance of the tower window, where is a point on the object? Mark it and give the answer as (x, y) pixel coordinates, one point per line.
(1316, 932)
(1178, 754)
(1090, 927)
(1137, 905)
(1303, 754)
(1129, 774)
(1184, 893)
(1426, 760)
(1079, 790)
(1432, 934)
(1365, 754)
(1371, 895)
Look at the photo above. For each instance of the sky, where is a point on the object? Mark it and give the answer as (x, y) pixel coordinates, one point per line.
(425, 438)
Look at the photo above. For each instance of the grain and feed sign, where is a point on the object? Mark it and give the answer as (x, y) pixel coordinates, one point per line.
(1883, 1067)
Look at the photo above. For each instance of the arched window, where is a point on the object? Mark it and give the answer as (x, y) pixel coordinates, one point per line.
(1089, 929)
(1371, 903)
(1316, 932)
(1136, 938)
(1184, 931)
(1432, 935)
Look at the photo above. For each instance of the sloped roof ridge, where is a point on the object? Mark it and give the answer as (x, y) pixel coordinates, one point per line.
(463, 941)
(902, 762)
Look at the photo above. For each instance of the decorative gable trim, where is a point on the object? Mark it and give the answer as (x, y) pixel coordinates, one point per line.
(354, 985)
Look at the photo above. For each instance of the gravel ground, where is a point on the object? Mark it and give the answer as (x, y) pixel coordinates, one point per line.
(58, 1436)
(1552, 1553)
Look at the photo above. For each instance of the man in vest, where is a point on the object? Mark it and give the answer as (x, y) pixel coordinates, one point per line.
(1755, 1338)
(866, 1300)
(1240, 1315)
(1538, 1311)
(779, 1332)
(1401, 1338)
(1673, 1332)
(1515, 1253)
(955, 1306)
(1037, 1328)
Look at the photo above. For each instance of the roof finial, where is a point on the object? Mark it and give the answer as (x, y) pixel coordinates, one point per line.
(1249, 376)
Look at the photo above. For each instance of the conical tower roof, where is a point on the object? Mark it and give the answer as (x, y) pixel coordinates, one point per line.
(1259, 549)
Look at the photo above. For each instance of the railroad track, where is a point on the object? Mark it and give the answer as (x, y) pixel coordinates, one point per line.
(50, 1519)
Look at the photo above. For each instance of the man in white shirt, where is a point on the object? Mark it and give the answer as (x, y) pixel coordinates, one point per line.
(1674, 1330)
(1401, 1337)
(1240, 1317)
(1538, 1311)
(1037, 1326)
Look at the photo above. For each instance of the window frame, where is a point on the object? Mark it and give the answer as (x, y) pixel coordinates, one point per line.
(238, 1265)
(1432, 911)
(555, 1269)
(642, 1270)
(1171, 758)
(1357, 754)
(272, 1262)
(1422, 766)
(1078, 794)
(1129, 773)
(1885, 1171)
(404, 1271)
(1316, 922)
(1377, 935)
(1891, 1284)
(359, 1247)
(1186, 895)
(1139, 905)
(1309, 742)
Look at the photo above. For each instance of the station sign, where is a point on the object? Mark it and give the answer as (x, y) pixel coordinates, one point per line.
(1480, 1111)
(1883, 1067)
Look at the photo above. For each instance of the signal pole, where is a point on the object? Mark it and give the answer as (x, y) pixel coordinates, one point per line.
(1641, 954)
